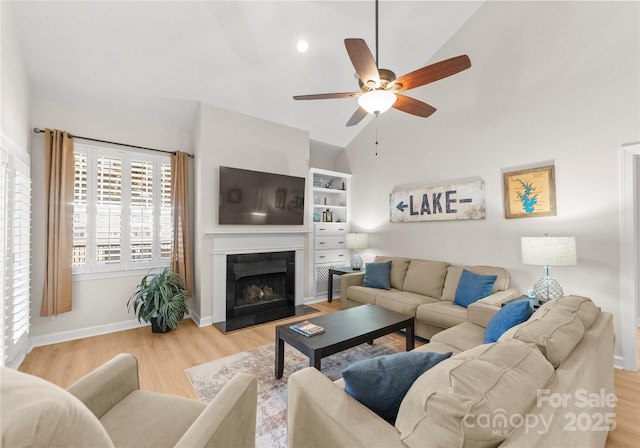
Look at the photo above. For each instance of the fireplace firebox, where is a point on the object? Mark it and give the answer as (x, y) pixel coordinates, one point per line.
(260, 288)
(260, 282)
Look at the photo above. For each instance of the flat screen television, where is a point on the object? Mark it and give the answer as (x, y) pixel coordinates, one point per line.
(258, 198)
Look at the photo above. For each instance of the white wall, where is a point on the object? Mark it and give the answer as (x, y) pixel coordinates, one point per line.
(323, 155)
(98, 305)
(549, 81)
(226, 138)
(14, 83)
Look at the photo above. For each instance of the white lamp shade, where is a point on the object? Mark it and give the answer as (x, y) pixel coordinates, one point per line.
(357, 240)
(377, 101)
(549, 251)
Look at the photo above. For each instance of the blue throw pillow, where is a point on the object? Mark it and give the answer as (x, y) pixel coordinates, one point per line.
(376, 275)
(473, 287)
(508, 316)
(381, 383)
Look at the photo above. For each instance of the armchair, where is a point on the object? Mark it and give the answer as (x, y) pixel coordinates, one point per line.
(107, 408)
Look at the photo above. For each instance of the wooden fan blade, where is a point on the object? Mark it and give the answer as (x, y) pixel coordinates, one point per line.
(363, 62)
(430, 73)
(326, 96)
(357, 117)
(413, 106)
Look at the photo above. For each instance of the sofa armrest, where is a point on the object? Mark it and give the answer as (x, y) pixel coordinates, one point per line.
(107, 385)
(481, 312)
(229, 420)
(321, 414)
(347, 280)
(500, 297)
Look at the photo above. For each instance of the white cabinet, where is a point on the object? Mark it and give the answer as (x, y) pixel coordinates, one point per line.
(329, 200)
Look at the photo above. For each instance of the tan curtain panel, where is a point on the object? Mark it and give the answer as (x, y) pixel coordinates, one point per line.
(59, 177)
(181, 255)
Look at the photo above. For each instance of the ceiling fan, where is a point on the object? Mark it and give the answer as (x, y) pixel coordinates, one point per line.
(379, 87)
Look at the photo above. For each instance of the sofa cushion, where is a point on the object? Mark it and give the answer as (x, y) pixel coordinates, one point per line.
(454, 272)
(398, 269)
(441, 314)
(377, 275)
(34, 412)
(437, 347)
(363, 294)
(582, 307)
(473, 287)
(451, 404)
(172, 417)
(381, 383)
(461, 337)
(510, 315)
(402, 301)
(425, 277)
(554, 330)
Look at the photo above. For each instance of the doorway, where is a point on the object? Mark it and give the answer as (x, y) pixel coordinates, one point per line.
(629, 263)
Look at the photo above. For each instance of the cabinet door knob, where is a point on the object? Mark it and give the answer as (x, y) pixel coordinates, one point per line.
(320, 242)
(322, 256)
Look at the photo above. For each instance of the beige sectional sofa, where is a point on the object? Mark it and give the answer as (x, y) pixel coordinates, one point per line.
(546, 383)
(426, 290)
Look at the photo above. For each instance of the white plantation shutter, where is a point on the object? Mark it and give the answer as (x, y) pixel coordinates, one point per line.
(80, 210)
(142, 216)
(4, 261)
(122, 210)
(15, 259)
(108, 200)
(21, 260)
(166, 215)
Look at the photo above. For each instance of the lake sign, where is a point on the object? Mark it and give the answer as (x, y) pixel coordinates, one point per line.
(464, 200)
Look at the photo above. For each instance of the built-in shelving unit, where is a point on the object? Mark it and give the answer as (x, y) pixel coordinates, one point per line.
(330, 216)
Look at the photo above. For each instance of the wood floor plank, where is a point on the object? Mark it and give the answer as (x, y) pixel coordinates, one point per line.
(163, 357)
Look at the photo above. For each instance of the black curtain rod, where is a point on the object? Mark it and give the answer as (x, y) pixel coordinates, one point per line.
(40, 131)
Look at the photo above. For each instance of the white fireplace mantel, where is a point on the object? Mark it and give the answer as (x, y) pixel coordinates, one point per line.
(239, 242)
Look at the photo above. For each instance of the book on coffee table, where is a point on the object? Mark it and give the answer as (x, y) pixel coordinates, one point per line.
(307, 329)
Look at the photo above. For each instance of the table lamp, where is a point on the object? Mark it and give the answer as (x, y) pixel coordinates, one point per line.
(548, 251)
(357, 241)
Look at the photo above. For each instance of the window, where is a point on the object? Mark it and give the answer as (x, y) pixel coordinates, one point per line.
(15, 257)
(122, 210)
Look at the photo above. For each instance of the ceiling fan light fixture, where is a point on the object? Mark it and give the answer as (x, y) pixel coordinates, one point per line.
(377, 101)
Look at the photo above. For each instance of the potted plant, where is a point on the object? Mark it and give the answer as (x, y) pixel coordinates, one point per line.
(161, 299)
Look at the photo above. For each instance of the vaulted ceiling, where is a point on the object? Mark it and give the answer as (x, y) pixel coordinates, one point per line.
(158, 59)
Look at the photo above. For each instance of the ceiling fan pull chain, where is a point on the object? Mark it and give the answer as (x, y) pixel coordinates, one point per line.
(376, 135)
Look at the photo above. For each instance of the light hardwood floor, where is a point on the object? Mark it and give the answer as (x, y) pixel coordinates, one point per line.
(163, 358)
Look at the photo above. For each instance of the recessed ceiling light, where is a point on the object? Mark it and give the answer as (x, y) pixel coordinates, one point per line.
(302, 46)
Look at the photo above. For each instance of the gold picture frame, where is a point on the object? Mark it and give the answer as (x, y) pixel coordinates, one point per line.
(529, 193)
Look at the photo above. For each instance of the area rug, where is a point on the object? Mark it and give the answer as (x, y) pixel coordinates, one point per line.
(271, 420)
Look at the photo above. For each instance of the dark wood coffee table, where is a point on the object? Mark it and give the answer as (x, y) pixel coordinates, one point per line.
(343, 329)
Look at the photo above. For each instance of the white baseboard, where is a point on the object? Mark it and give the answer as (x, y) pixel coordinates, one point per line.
(618, 362)
(201, 321)
(310, 300)
(72, 335)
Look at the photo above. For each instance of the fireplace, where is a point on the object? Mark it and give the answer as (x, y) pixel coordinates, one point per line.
(260, 282)
(253, 282)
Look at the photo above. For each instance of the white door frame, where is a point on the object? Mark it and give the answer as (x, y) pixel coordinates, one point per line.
(629, 254)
